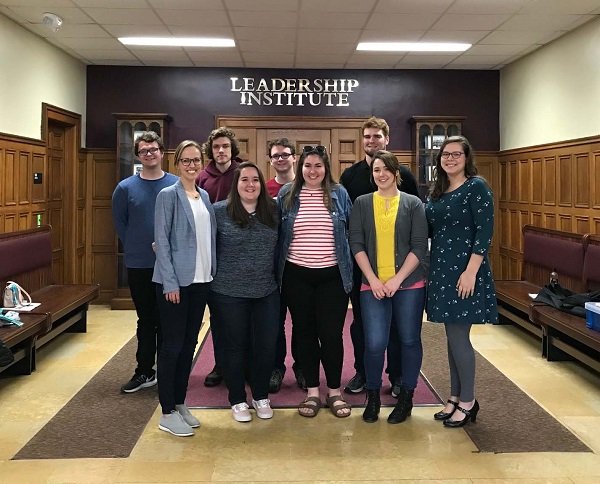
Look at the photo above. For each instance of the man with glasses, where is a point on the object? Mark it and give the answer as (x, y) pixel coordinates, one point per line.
(357, 181)
(222, 150)
(282, 155)
(133, 204)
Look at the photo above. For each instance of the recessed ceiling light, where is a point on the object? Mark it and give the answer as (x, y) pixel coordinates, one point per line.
(413, 46)
(177, 41)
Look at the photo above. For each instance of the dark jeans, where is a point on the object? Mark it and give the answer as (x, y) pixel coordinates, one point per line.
(318, 305)
(281, 348)
(357, 334)
(143, 294)
(180, 326)
(216, 341)
(403, 313)
(247, 325)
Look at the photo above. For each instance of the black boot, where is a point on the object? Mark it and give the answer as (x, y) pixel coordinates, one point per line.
(371, 413)
(403, 407)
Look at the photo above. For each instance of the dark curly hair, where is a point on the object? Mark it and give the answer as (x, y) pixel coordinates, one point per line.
(220, 133)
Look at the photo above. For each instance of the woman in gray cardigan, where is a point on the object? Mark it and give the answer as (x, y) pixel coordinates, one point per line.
(184, 236)
(388, 238)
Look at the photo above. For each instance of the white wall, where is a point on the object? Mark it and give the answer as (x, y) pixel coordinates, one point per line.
(33, 71)
(553, 94)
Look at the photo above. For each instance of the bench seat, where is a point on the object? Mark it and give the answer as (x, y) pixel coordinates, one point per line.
(22, 340)
(514, 303)
(565, 336)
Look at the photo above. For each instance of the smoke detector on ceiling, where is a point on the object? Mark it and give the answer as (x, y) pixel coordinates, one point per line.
(52, 21)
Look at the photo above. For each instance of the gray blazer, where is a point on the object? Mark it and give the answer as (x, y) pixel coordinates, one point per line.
(410, 234)
(175, 238)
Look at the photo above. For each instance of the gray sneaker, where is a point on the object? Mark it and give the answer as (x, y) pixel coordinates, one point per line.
(187, 416)
(175, 424)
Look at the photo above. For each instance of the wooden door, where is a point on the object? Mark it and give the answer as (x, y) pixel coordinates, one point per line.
(56, 198)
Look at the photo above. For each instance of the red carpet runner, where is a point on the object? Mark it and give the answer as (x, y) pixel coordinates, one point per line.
(290, 395)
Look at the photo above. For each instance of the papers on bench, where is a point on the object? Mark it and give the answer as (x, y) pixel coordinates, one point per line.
(532, 296)
(26, 307)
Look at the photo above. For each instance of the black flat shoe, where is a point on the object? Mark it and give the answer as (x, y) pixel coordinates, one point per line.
(214, 378)
(470, 416)
(446, 415)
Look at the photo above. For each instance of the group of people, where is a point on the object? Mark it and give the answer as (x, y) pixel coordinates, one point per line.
(250, 249)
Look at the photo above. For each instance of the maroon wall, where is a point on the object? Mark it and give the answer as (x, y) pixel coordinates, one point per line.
(195, 96)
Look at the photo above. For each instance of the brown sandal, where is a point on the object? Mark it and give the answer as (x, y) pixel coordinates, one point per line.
(335, 409)
(311, 407)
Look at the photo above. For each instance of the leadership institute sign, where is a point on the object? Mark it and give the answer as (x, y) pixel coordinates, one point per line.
(278, 91)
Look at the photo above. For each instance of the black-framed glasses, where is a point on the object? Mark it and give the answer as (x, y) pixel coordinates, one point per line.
(189, 161)
(148, 151)
(280, 156)
(321, 150)
(454, 154)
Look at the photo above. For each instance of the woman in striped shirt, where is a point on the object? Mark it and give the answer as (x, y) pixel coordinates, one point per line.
(315, 273)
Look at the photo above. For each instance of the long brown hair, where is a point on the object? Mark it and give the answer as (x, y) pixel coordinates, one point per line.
(266, 209)
(440, 177)
(328, 184)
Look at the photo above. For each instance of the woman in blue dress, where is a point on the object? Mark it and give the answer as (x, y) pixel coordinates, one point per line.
(460, 213)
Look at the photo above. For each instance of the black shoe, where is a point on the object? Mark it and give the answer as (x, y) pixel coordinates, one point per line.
(300, 380)
(138, 382)
(446, 415)
(214, 378)
(276, 379)
(6, 355)
(470, 416)
(371, 413)
(403, 407)
(356, 384)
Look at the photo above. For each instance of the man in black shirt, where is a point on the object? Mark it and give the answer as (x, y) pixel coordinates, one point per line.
(356, 180)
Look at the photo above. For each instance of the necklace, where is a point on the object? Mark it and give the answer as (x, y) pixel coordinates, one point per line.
(195, 195)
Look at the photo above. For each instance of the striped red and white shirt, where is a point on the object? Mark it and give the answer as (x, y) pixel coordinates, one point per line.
(313, 242)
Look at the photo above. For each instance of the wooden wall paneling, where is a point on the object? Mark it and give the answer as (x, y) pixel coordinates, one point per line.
(505, 228)
(22, 182)
(101, 246)
(347, 143)
(549, 180)
(524, 181)
(536, 219)
(536, 181)
(550, 221)
(581, 180)
(565, 176)
(515, 231)
(513, 180)
(595, 179)
(503, 181)
(565, 223)
(582, 225)
(595, 229)
(10, 179)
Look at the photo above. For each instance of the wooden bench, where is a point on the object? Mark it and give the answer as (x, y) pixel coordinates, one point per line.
(545, 251)
(26, 258)
(565, 336)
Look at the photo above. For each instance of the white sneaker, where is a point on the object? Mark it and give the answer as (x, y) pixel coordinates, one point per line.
(241, 412)
(187, 416)
(263, 408)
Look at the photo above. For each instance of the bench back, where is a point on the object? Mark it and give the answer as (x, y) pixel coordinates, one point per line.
(548, 250)
(26, 258)
(591, 263)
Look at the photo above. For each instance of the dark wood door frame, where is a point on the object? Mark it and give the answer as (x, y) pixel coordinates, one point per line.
(72, 124)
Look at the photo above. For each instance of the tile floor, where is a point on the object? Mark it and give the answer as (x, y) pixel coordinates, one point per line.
(288, 449)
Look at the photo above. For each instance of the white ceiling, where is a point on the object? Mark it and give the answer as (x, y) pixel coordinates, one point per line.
(312, 34)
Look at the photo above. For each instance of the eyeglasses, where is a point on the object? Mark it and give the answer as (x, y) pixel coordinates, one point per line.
(321, 150)
(280, 156)
(149, 151)
(189, 161)
(455, 154)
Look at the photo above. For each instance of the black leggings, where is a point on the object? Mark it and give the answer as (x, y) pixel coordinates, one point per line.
(318, 304)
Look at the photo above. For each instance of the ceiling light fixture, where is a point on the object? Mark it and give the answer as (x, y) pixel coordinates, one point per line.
(177, 41)
(413, 46)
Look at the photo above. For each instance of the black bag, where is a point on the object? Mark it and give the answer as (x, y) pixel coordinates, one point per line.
(566, 300)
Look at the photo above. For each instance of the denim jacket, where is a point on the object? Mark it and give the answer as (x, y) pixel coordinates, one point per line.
(340, 216)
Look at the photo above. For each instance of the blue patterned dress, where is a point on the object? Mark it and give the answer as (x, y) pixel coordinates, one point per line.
(461, 222)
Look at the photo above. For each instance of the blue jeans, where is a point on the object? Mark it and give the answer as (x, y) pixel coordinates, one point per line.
(247, 325)
(404, 313)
